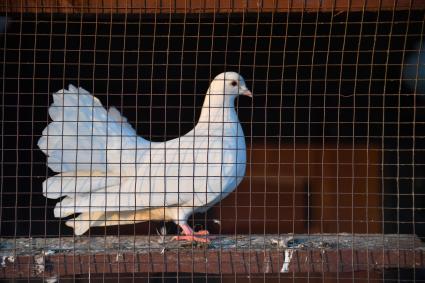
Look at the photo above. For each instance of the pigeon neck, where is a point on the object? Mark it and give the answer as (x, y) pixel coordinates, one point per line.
(218, 108)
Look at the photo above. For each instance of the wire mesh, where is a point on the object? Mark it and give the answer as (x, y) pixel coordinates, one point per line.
(334, 165)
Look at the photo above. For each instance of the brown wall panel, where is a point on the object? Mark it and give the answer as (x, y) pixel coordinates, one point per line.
(305, 190)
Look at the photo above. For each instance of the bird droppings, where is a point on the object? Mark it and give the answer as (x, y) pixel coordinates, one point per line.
(7, 259)
(267, 265)
(5, 245)
(39, 266)
(119, 257)
(49, 252)
(287, 260)
(295, 243)
(42, 263)
(53, 279)
(163, 230)
(310, 241)
(161, 233)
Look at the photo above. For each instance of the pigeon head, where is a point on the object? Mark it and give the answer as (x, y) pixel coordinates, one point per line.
(229, 85)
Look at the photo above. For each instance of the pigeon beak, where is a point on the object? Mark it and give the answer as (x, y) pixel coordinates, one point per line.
(247, 92)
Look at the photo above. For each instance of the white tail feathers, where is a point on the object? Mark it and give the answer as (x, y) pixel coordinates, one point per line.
(85, 137)
(91, 147)
(77, 182)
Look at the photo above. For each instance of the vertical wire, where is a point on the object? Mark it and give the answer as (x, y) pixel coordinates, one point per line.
(370, 108)
(294, 117)
(62, 133)
(165, 125)
(223, 123)
(209, 111)
(195, 93)
(180, 116)
(281, 125)
(121, 128)
(194, 97)
(382, 131)
(92, 128)
(211, 51)
(209, 105)
(32, 126)
(223, 112)
(252, 136)
(3, 108)
(108, 79)
(17, 132)
(294, 131)
(135, 257)
(265, 135)
(46, 170)
(265, 122)
(65, 119)
(367, 149)
(240, 55)
(150, 136)
(78, 114)
(383, 135)
(17, 136)
(251, 145)
(353, 171)
(399, 122)
(309, 149)
(77, 128)
(323, 152)
(237, 132)
(398, 137)
(420, 50)
(3, 90)
(338, 149)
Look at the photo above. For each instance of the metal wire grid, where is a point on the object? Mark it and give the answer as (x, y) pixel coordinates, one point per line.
(109, 55)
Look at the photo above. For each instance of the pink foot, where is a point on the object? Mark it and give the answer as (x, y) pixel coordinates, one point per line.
(202, 233)
(191, 236)
(191, 239)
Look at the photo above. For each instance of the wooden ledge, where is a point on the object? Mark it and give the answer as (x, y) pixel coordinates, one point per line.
(255, 254)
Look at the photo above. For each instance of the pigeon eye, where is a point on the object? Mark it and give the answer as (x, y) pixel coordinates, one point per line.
(234, 83)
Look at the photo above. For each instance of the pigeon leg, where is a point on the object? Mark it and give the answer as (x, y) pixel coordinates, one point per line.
(190, 235)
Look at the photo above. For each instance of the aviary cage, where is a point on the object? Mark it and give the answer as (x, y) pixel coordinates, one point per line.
(335, 143)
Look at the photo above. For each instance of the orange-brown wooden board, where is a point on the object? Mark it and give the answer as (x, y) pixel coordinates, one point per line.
(207, 6)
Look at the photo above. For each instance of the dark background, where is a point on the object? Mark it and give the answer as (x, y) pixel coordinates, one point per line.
(316, 78)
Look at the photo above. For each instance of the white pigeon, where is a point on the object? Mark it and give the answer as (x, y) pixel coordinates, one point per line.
(110, 176)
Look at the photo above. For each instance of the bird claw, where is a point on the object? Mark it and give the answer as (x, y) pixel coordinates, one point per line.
(200, 237)
(202, 233)
(191, 238)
